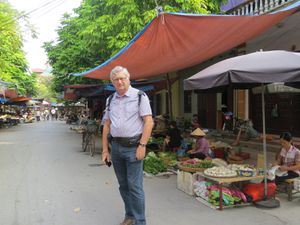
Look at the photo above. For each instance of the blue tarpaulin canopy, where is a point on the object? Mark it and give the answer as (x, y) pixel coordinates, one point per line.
(2, 100)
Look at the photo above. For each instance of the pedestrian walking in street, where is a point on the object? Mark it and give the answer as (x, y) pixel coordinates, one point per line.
(53, 114)
(128, 121)
(38, 115)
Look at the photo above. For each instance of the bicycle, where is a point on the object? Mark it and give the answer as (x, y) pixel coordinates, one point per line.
(245, 126)
(88, 138)
(239, 124)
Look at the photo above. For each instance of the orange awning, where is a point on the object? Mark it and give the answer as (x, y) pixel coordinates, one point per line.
(20, 99)
(174, 41)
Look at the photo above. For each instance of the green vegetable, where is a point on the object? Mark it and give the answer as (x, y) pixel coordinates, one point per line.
(200, 164)
(153, 164)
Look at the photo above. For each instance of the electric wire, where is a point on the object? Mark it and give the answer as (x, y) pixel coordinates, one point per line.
(38, 8)
(25, 14)
(47, 10)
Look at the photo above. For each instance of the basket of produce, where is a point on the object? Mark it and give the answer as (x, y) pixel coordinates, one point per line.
(243, 170)
(195, 165)
(220, 172)
(247, 173)
(182, 159)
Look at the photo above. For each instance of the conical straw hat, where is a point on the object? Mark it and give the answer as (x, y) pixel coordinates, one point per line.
(198, 132)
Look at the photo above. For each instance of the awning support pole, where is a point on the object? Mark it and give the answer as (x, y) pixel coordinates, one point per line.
(169, 89)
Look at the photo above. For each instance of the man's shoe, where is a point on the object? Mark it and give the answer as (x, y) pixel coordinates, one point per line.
(127, 221)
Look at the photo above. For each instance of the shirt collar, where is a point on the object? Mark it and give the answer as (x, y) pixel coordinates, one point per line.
(290, 149)
(128, 92)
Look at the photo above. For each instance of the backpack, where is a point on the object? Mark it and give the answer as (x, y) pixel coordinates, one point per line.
(140, 93)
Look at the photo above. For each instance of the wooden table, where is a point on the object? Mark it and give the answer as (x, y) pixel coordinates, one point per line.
(222, 180)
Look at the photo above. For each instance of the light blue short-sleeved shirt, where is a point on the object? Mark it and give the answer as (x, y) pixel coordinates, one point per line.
(126, 114)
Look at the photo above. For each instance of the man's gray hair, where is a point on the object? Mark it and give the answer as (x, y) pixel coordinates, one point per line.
(117, 70)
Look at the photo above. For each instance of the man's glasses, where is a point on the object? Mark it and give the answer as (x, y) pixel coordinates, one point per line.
(119, 79)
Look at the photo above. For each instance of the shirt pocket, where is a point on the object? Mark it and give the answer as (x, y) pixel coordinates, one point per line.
(131, 106)
(114, 109)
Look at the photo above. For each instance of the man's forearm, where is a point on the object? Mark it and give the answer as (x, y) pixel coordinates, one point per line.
(104, 138)
(148, 125)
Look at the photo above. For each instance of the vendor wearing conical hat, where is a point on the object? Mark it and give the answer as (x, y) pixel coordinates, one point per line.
(198, 133)
(201, 149)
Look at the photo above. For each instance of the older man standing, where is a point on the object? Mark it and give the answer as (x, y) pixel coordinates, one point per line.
(128, 119)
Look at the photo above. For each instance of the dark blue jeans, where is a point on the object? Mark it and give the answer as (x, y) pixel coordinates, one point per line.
(290, 175)
(129, 172)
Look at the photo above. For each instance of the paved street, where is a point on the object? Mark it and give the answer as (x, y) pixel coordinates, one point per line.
(45, 179)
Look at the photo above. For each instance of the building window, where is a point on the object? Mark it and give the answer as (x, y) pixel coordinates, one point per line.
(187, 101)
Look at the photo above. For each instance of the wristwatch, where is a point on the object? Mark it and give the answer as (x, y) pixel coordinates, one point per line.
(143, 145)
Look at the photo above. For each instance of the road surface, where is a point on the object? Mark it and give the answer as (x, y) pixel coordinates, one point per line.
(45, 179)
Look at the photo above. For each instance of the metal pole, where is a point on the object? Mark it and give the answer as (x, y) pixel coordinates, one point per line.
(264, 139)
(169, 88)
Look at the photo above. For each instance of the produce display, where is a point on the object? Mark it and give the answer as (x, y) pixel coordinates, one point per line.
(155, 140)
(153, 164)
(244, 170)
(158, 163)
(197, 163)
(230, 196)
(219, 162)
(220, 172)
(168, 158)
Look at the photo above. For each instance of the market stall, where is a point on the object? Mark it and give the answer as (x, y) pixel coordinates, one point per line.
(219, 185)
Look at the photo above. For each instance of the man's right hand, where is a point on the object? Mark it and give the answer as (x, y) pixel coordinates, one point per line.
(105, 156)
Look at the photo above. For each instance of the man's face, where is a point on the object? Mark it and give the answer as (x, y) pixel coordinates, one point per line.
(121, 82)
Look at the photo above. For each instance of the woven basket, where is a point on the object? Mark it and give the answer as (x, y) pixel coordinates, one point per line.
(181, 159)
(191, 170)
(230, 161)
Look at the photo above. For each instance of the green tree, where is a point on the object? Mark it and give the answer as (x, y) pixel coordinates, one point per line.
(43, 90)
(13, 65)
(101, 28)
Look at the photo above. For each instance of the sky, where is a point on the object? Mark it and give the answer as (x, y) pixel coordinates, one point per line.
(46, 19)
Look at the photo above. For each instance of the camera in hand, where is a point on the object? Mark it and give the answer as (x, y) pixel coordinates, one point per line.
(108, 163)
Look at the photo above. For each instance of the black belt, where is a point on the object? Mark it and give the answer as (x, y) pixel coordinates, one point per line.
(128, 141)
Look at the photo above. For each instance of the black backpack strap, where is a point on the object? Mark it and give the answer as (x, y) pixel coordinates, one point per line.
(140, 93)
(109, 101)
